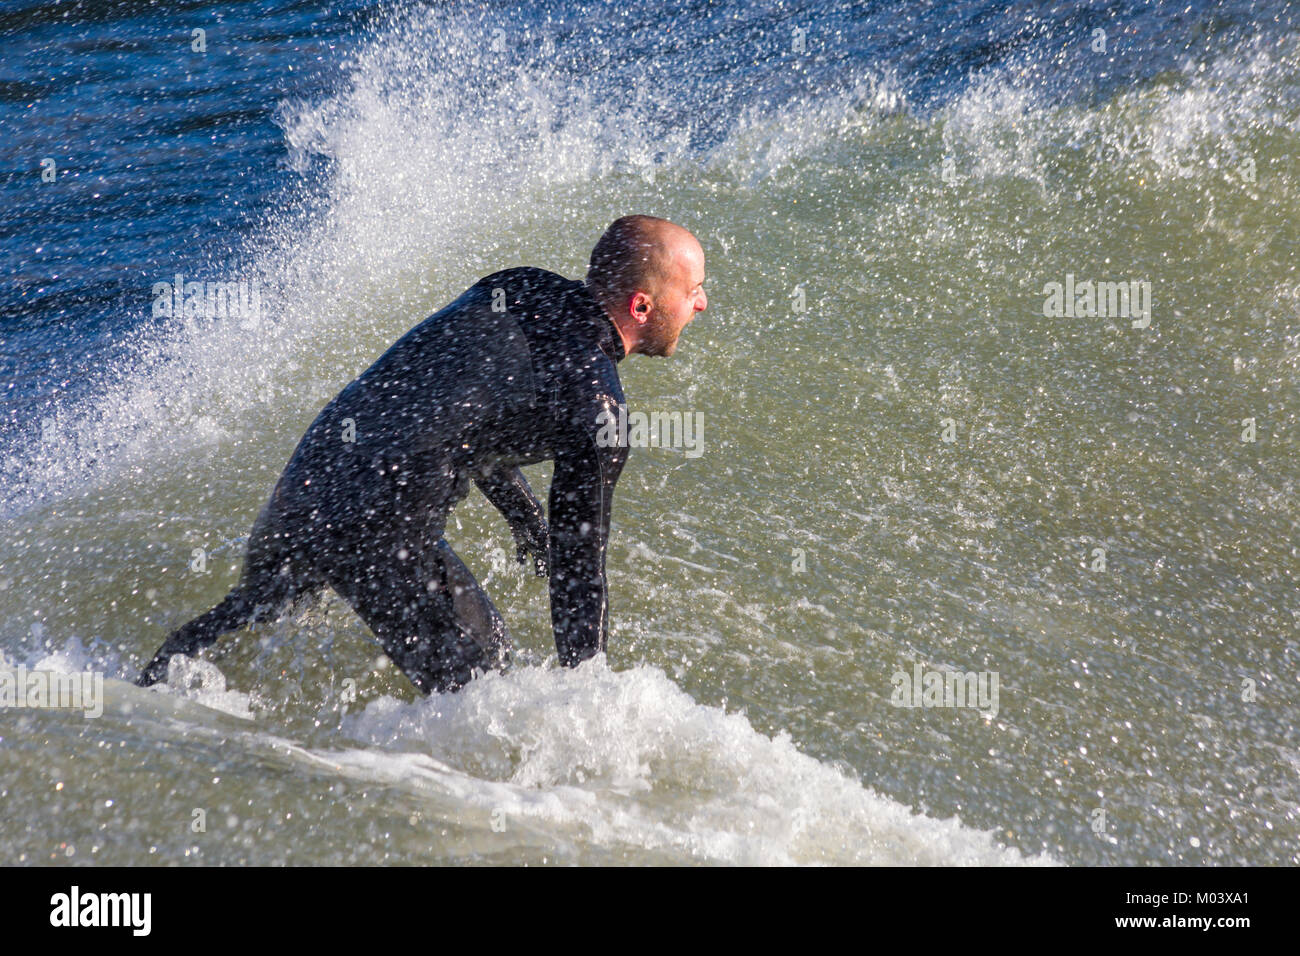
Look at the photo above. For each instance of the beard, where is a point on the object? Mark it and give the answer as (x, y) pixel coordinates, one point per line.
(663, 342)
(661, 348)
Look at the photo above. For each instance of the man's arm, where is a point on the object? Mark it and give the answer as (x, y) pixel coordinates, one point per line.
(508, 490)
(582, 495)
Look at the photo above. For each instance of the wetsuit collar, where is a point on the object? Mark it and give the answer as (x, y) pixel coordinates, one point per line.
(607, 337)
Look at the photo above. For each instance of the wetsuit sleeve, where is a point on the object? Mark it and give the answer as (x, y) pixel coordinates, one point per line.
(508, 490)
(582, 496)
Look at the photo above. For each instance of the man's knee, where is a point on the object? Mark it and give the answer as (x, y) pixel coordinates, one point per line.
(457, 661)
(469, 605)
(425, 609)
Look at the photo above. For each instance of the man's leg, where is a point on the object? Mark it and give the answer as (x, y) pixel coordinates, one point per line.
(425, 608)
(271, 582)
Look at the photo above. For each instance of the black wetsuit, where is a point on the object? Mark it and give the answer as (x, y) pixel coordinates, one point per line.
(517, 370)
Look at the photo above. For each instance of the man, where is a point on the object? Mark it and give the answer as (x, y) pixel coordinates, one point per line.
(521, 368)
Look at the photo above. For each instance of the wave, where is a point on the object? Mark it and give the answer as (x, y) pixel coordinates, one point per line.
(616, 760)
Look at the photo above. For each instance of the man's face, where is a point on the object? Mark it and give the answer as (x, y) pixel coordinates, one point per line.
(680, 296)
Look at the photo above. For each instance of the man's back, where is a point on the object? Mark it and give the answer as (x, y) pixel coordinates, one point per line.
(516, 370)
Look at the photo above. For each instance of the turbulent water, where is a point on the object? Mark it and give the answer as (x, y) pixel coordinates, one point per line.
(911, 461)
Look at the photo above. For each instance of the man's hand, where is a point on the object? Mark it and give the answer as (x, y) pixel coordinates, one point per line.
(508, 490)
(532, 540)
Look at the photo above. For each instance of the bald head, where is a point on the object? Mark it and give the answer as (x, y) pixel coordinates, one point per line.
(634, 255)
(648, 273)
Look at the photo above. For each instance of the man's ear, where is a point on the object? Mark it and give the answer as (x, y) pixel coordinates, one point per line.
(640, 307)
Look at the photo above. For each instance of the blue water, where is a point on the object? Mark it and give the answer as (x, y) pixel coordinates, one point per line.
(164, 155)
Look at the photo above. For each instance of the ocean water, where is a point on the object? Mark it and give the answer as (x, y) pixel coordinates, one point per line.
(911, 461)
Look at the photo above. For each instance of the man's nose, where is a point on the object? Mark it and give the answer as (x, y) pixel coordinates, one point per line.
(702, 302)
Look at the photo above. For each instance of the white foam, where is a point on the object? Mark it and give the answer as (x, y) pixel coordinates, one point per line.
(617, 760)
(187, 678)
(202, 682)
(630, 759)
(1003, 125)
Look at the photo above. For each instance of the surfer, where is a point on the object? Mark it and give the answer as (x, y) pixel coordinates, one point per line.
(521, 368)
